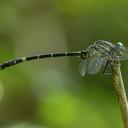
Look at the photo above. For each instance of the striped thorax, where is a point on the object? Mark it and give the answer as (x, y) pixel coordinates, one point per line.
(103, 48)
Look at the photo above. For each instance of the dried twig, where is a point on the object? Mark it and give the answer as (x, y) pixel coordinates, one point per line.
(120, 91)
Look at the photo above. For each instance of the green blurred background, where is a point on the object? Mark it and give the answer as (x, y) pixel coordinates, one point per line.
(51, 93)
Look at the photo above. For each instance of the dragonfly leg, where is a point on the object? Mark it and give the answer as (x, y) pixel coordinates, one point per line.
(114, 62)
(105, 72)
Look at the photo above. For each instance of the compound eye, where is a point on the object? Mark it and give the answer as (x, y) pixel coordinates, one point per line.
(119, 44)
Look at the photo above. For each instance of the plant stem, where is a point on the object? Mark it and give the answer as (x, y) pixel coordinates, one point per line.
(120, 91)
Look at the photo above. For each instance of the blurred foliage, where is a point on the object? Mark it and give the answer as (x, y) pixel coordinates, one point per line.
(50, 93)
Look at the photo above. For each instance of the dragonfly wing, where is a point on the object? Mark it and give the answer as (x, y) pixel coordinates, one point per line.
(83, 67)
(94, 65)
(91, 65)
(104, 60)
(125, 55)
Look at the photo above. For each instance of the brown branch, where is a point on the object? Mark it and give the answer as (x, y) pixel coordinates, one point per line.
(120, 91)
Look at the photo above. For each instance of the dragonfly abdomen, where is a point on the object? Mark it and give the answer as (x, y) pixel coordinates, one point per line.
(40, 56)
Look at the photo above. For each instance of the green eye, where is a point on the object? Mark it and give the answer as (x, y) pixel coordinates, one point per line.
(119, 44)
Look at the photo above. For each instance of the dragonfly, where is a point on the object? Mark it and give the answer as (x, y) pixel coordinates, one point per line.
(100, 54)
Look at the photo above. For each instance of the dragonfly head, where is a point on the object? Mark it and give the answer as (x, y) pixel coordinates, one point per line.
(119, 48)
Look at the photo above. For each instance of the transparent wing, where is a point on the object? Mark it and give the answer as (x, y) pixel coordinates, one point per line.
(125, 55)
(83, 67)
(91, 65)
(94, 65)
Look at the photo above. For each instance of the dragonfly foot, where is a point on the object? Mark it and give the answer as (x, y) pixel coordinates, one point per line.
(107, 74)
(115, 62)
